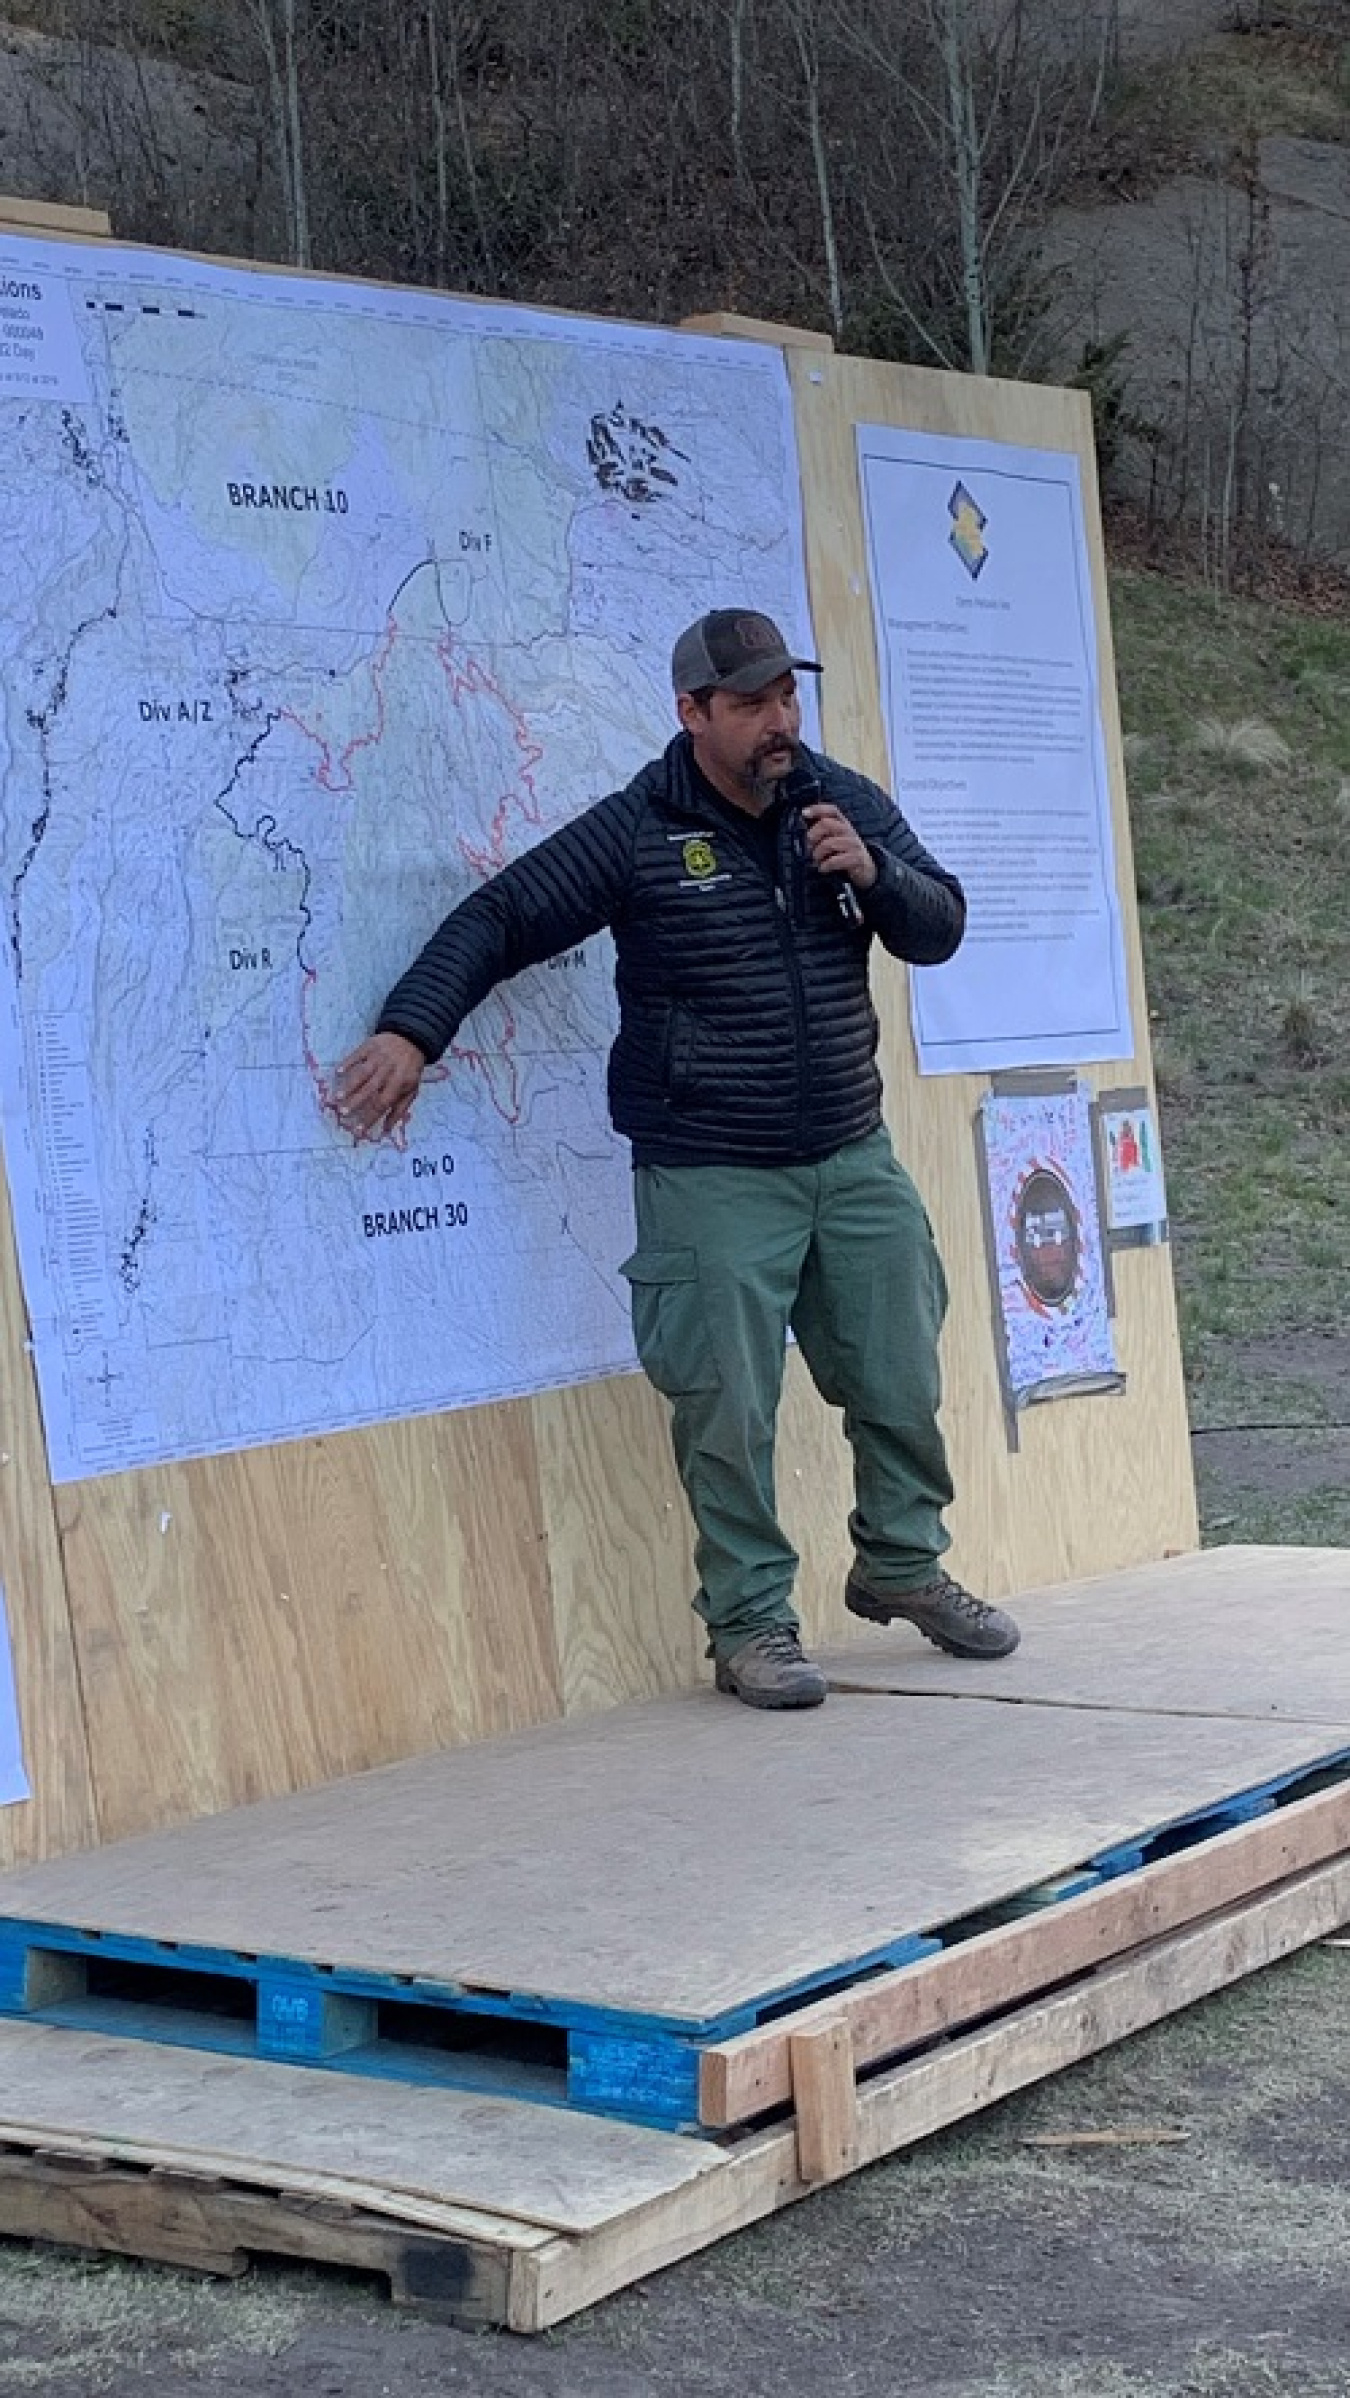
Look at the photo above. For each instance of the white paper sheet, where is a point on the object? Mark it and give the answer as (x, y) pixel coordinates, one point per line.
(1135, 1191)
(13, 1779)
(987, 644)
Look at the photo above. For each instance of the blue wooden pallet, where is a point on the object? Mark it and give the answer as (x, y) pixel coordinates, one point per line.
(605, 2061)
(642, 2068)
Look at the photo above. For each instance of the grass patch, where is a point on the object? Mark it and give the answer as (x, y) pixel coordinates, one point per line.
(1225, 94)
(1309, 1519)
(1239, 766)
(104, 2318)
(1291, 80)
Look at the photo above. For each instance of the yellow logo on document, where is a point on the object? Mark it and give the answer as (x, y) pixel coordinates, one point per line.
(967, 533)
(700, 860)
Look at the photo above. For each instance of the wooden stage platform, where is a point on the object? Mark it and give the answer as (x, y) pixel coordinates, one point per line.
(519, 2023)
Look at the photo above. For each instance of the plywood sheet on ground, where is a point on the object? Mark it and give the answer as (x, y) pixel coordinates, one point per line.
(537, 2164)
(679, 1858)
(1262, 1633)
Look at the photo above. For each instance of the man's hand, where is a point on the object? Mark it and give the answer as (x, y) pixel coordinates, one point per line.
(375, 1087)
(837, 847)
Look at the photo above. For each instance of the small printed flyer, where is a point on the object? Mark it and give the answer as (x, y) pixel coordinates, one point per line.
(1047, 1260)
(1136, 1200)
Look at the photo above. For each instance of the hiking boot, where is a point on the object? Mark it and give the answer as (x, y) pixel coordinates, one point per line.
(770, 1670)
(945, 1614)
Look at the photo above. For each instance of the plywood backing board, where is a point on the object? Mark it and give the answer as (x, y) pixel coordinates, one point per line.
(619, 1545)
(533, 2164)
(250, 1623)
(60, 1814)
(1262, 1633)
(222, 1630)
(678, 1859)
(1098, 1482)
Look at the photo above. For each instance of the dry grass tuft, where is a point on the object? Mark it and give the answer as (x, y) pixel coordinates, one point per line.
(1247, 742)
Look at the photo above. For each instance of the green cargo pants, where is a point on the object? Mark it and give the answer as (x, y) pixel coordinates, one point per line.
(727, 1258)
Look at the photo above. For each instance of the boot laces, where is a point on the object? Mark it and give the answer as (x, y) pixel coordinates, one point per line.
(960, 1600)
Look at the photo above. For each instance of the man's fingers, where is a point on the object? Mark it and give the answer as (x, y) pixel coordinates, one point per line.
(834, 853)
(374, 1089)
(378, 1104)
(361, 1093)
(355, 1074)
(361, 1078)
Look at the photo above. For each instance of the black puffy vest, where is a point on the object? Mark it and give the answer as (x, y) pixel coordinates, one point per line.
(747, 1034)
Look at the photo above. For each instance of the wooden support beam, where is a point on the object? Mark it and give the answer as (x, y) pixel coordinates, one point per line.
(752, 2075)
(206, 2226)
(825, 2095)
(756, 328)
(915, 2100)
(48, 216)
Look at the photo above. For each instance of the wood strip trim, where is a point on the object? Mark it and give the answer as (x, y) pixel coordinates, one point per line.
(724, 322)
(750, 2075)
(450, 2217)
(915, 2100)
(825, 2095)
(50, 216)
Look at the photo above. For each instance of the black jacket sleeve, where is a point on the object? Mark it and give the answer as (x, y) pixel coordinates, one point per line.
(915, 907)
(559, 893)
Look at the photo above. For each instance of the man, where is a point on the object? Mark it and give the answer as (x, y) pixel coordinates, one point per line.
(745, 879)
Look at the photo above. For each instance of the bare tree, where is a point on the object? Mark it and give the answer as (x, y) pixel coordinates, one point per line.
(277, 29)
(803, 18)
(965, 147)
(443, 33)
(989, 102)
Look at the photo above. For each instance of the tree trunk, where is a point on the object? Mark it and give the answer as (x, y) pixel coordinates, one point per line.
(953, 31)
(300, 249)
(809, 55)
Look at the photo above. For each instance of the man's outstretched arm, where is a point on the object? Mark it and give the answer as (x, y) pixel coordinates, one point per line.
(553, 898)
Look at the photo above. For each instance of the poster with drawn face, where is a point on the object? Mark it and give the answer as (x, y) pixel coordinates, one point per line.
(1047, 1260)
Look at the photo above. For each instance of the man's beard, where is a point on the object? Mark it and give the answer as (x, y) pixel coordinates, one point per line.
(760, 785)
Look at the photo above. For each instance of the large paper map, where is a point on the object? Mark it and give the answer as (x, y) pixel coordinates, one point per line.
(319, 604)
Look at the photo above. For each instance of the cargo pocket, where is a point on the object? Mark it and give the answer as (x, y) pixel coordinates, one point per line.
(670, 1321)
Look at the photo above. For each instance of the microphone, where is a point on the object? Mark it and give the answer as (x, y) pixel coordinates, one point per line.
(801, 789)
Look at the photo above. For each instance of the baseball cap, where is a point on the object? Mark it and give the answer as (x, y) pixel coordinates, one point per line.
(733, 649)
